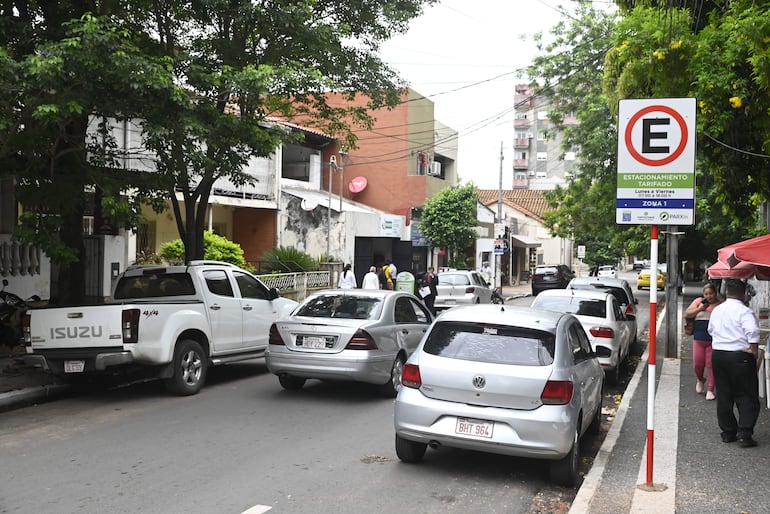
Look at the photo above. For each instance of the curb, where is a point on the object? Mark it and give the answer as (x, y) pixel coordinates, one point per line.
(20, 397)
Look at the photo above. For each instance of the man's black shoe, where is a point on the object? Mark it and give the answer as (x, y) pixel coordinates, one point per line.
(747, 442)
(729, 438)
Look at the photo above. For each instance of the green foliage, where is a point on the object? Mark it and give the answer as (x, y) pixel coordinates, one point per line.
(217, 248)
(449, 220)
(286, 259)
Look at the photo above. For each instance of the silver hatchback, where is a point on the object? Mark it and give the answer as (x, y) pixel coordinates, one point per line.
(501, 379)
(359, 335)
(461, 287)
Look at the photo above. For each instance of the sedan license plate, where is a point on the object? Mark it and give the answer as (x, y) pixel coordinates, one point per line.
(74, 366)
(475, 427)
(314, 342)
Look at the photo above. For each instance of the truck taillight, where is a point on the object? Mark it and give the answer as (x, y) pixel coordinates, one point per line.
(25, 323)
(275, 337)
(130, 325)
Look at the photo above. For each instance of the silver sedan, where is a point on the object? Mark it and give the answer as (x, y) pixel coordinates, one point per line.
(348, 334)
(501, 379)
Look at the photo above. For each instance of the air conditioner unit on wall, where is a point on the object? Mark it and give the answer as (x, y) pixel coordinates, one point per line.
(435, 169)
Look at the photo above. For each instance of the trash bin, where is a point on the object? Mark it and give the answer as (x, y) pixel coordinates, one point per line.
(405, 282)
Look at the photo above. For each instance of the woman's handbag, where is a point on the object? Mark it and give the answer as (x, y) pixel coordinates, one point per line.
(689, 326)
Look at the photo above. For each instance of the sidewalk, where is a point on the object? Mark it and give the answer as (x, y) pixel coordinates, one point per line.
(693, 471)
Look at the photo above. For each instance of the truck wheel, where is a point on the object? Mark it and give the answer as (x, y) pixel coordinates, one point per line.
(189, 372)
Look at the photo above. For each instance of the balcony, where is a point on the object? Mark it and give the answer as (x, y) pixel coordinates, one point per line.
(520, 183)
(522, 122)
(523, 101)
(520, 164)
(521, 143)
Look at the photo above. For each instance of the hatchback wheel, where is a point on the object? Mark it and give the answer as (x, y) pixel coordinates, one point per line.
(409, 451)
(564, 471)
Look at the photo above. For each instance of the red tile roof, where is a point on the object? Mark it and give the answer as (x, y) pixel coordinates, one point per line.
(528, 201)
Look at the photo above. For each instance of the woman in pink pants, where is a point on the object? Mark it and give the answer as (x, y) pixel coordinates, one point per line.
(700, 309)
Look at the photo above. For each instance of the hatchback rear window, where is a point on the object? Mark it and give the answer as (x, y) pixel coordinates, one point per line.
(573, 305)
(619, 294)
(341, 306)
(497, 344)
(543, 270)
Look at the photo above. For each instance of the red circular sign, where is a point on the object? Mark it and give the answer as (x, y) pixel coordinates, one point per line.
(665, 160)
(357, 185)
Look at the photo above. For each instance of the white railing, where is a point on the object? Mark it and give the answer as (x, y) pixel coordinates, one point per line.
(297, 282)
(19, 259)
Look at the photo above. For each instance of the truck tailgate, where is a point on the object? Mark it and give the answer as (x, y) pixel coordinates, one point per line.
(76, 327)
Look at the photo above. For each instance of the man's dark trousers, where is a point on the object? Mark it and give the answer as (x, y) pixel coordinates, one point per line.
(735, 377)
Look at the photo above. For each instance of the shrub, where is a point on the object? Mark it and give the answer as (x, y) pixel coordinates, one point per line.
(283, 259)
(216, 248)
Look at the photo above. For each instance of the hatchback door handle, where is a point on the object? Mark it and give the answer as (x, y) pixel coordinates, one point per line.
(215, 307)
(247, 307)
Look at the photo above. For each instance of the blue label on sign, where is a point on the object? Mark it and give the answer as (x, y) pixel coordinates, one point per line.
(637, 203)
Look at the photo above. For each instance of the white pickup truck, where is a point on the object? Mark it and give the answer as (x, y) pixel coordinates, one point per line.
(173, 322)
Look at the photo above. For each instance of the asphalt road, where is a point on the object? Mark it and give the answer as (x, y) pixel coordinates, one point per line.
(245, 443)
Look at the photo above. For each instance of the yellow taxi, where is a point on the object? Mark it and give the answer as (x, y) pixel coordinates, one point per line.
(643, 279)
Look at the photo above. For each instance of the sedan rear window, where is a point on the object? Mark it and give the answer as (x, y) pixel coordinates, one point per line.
(341, 306)
(497, 344)
(573, 305)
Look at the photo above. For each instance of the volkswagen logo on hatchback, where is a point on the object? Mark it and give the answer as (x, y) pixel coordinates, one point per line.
(479, 382)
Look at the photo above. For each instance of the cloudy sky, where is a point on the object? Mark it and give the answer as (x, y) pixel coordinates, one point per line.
(464, 55)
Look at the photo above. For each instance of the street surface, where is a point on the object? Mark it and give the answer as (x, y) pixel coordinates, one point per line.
(244, 443)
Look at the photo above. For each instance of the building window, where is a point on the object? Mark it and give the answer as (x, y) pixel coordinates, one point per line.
(569, 156)
(542, 156)
(542, 115)
(541, 174)
(542, 135)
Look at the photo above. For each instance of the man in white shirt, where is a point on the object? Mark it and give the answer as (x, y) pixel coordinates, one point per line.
(735, 339)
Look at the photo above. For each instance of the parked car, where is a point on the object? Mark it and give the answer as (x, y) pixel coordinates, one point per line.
(607, 271)
(461, 287)
(551, 276)
(170, 322)
(507, 380)
(641, 264)
(644, 277)
(362, 335)
(602, 319)
(619, 288)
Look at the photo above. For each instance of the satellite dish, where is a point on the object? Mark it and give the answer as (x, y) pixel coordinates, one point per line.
(308, 205)
(357, 184)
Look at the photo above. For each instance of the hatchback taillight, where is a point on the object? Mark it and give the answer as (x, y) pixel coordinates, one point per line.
(602, 332)
(25, 324)
(410, 376)
(469, 290)
(555, 392)
(275, 337)
(629, 310)
(130, 325)
(361, 340)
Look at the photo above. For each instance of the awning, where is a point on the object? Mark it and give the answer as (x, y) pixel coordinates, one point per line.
(523, 241)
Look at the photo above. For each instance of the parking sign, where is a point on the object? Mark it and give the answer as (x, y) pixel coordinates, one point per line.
(656, 162)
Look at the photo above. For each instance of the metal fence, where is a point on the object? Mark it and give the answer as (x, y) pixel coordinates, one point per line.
(297, 283)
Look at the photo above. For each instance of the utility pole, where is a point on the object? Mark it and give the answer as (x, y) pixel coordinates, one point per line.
(498, 258)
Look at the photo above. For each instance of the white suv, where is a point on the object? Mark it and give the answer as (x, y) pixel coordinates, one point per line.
(461, 287)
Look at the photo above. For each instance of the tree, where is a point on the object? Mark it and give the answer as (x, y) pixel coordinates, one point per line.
(448, 220)
(566, 73)
(203, 78)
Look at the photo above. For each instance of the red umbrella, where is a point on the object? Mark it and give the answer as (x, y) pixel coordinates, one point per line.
(742, 270)
(753, 251)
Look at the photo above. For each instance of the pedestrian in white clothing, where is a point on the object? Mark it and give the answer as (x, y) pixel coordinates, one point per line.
(347, 279)
(371, 281)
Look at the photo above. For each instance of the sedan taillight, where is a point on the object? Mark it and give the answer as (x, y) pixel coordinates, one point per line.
(410, 376)
(361, 340)
(555, 392)
(275, 337)
(602, 332)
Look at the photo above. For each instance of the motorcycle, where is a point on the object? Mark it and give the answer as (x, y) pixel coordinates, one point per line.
(497, 297)
(12, 310)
